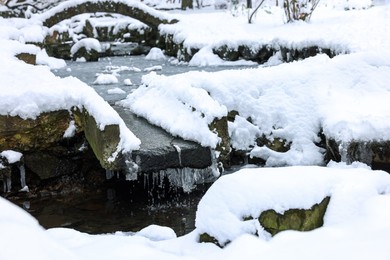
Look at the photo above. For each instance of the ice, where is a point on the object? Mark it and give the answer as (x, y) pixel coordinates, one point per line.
(178, 149)
(22, 171)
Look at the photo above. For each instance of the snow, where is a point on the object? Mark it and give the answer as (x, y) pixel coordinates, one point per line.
(155, 54)
(11, 156)
(38, 90)
(105, 79)
(87, 43)
(115, 91)
(355, 225)
(127, 82)
(252, 191)
(157, 233)
(345, 97)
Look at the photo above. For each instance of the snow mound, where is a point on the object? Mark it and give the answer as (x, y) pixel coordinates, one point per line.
(249, 192)
(293, 102)
(115, 91)
(18, 225)
(11, 156)
(175, 105)
(127, 82)
(155, 54)
(106, 79)
(157, 233)
(87, 43)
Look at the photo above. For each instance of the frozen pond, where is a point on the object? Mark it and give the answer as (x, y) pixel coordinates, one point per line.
(126, 68)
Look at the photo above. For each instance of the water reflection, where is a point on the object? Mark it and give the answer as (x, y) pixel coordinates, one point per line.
(118, 209)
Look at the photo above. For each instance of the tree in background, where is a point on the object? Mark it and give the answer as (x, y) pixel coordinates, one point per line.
(185, 4)
(24, 7)
(299, 9)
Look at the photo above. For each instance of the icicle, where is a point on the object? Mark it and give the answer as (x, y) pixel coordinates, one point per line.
(343, 150)
(178, 149)
(22, 171)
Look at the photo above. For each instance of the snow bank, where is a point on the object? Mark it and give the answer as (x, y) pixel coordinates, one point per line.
(21, 236)
(356, 222)
(251, 191)
(345, 97)
(338, 30)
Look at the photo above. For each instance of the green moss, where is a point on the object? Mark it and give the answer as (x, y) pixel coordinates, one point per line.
(103, 142)
(33, 134)
(220, 126)
(294, 219)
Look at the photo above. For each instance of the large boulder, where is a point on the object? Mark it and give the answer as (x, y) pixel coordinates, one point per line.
(41, 133)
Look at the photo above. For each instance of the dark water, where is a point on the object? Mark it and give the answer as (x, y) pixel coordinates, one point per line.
(109, 211)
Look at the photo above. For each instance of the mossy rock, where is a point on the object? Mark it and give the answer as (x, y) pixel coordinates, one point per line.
(294, 219)
(277, 144)
(373, 153)
(206, 238)
(27, 58)
(103, 142)
(226, 53)
(88, 55)
(41, 133)
(220, 126)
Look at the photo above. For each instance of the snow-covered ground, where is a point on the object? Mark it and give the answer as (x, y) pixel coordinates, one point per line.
(356, 223)
(346, 96)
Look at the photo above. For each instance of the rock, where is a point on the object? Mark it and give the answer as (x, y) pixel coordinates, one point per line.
(47, 166)
(103, 143)
(373, 153)
(220, 126)
(226, 53)
(33, 134)
(294, 219)
(27, 58)
(206, 238)
(277, 144)
(160, 150)
(88, 55)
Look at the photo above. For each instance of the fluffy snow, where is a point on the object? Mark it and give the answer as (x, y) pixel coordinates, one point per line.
(345, 97)
(293, 101)
(355, 226)
(252, 191)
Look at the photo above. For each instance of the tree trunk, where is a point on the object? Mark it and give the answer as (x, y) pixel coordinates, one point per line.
(186, 4)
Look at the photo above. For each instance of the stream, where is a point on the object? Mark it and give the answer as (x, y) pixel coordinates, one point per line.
(115, 209)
